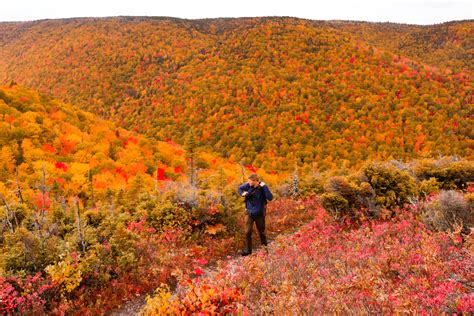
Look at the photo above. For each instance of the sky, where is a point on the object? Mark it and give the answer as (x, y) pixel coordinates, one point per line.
(399, 11)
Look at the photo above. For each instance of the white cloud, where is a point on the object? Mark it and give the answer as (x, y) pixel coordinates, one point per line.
(401, 11)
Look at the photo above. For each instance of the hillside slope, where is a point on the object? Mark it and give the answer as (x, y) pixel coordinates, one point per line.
(447, 45)
(86, 157)
(270, 90)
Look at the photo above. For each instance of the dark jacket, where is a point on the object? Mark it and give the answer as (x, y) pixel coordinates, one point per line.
(256, 199)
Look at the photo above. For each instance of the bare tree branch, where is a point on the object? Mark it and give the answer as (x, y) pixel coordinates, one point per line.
(79, 228)
(20, 196)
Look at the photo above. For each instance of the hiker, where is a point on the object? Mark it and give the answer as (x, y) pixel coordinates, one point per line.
(256, 194)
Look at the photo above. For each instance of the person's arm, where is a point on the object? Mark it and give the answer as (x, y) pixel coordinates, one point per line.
(243, 189)
(266, 190)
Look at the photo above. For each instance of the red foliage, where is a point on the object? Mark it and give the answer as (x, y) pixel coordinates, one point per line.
(470, 188)
(38, 201)
(198, 271)
(201, 261)
(380, 266)
(140, 227)
(169, 141)
(61, 165)
(160, 174)
(32, 295)
(67, 147)
(133, 139)
(119, 170)
(251, 168)
(212, 210)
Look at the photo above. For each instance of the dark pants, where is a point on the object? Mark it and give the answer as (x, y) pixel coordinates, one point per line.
(260, 223)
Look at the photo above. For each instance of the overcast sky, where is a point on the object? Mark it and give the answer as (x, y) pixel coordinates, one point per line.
(401, 11)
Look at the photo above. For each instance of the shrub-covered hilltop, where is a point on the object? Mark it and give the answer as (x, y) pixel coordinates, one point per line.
(272, 90)
(392, 238)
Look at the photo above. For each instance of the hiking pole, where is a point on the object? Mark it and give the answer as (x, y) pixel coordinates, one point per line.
(242, 169)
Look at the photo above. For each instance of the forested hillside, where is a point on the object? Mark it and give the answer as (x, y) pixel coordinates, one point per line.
(85, 156)
(446, 45)
(123, 141)
(268, 90)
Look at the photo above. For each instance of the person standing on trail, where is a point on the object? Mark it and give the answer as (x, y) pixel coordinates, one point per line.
(256, 194)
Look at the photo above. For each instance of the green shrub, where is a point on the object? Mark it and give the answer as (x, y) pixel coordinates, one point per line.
(340, 185)
(168, 215)
(335, 204)
(450, 174)
(392, 187)
(426, 187)
(95, 217)
(311, 185)
(24, 250)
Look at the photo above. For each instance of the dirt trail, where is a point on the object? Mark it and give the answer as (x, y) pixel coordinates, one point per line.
(134, 306)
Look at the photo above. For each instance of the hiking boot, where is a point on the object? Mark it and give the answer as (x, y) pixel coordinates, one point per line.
(245, 253)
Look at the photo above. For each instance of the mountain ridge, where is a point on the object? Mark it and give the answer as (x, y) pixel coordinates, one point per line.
(168, 75)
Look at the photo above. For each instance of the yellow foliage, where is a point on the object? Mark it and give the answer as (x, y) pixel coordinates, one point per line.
(160, 303)
(30, 153)
(7, 159)
(38, 167)
(66, 273)
(212, 230)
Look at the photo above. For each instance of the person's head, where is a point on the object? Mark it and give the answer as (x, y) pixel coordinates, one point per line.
(253, 179)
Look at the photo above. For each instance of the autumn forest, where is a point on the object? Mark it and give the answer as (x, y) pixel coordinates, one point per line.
(124, 139)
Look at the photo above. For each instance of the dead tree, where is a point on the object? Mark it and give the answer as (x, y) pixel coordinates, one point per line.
(190, 146)
(18, 188)
(79, 228)
(91, 187)
(295, 183)
(43, 196)
(8, 211)
(242, 170)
